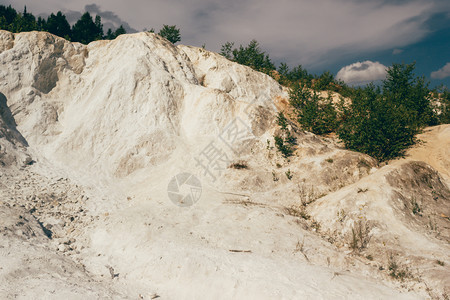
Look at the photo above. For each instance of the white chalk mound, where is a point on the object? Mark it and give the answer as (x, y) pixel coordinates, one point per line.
(137, 169)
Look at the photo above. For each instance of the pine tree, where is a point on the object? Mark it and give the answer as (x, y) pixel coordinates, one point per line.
(402, 88)
(172, 33)
(24, 22)
(85, 30)
(98, 28)
(120, 31)
(58, 25)
(315, 113)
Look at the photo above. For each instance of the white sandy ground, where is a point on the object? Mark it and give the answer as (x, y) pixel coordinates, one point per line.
(434, 149)
(108, 126)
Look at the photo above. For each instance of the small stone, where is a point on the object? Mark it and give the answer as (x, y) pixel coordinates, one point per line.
(63, 248)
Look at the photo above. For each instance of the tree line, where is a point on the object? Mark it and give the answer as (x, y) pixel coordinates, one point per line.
(252, 56)
(381, 121)
(85, 30)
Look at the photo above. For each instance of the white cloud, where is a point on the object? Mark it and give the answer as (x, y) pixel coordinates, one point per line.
(442, 73)
(397, 51)
(362, 72)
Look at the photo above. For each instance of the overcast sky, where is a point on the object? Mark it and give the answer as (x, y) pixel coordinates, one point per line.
(353, 38)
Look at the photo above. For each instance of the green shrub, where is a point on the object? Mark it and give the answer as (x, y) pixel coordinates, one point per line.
(376, 125)
(172, 33)
(383, 122)
(444, 117)
(284, 143)
(289, 77)
(315, 113)
(251, 56)
(402, 88)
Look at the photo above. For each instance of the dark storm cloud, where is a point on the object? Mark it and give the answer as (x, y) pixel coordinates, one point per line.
(72, 16)
(109, 18)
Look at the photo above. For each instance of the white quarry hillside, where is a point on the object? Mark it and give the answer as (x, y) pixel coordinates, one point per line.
(136, 169)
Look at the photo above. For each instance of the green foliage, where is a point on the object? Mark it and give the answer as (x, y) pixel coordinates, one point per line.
(8, 15)
(227, 50)
(440, 262)
(383, 122)
(251, 56)
(289, 77)
(120, 31)
(324, 81)
(282, 121)
(25, 22)
(376, 125)
(16, 22)
(315, 113)
(395, 271)
(284, 143)
(442, 94)
(56, 24)
(289, 174)
(444, 117)
(401, 88)
(110, 35)
(86, 30)
(285, 148)
(416, 209)
(172, 33)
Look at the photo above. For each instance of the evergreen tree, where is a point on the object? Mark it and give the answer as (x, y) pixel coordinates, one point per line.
(286, 141)
(383, 122)
(314, 113)
(3, 23)
(376, 125)
(98, 27)
(442, 95)
(172, 33)
(444, 116)
(283, 72)
(120, 31)
(403, 89)
(289, 77)
(24, 22)
(227, 50)
(85, 30)
(7, 17)
(110, 34)
(58, 25)
(41, 24)
(251, 56)
(324, 81)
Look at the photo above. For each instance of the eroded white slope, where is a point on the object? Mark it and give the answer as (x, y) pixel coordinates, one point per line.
(122, 117)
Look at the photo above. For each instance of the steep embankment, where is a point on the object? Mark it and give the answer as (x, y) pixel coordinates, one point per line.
(110, 124)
